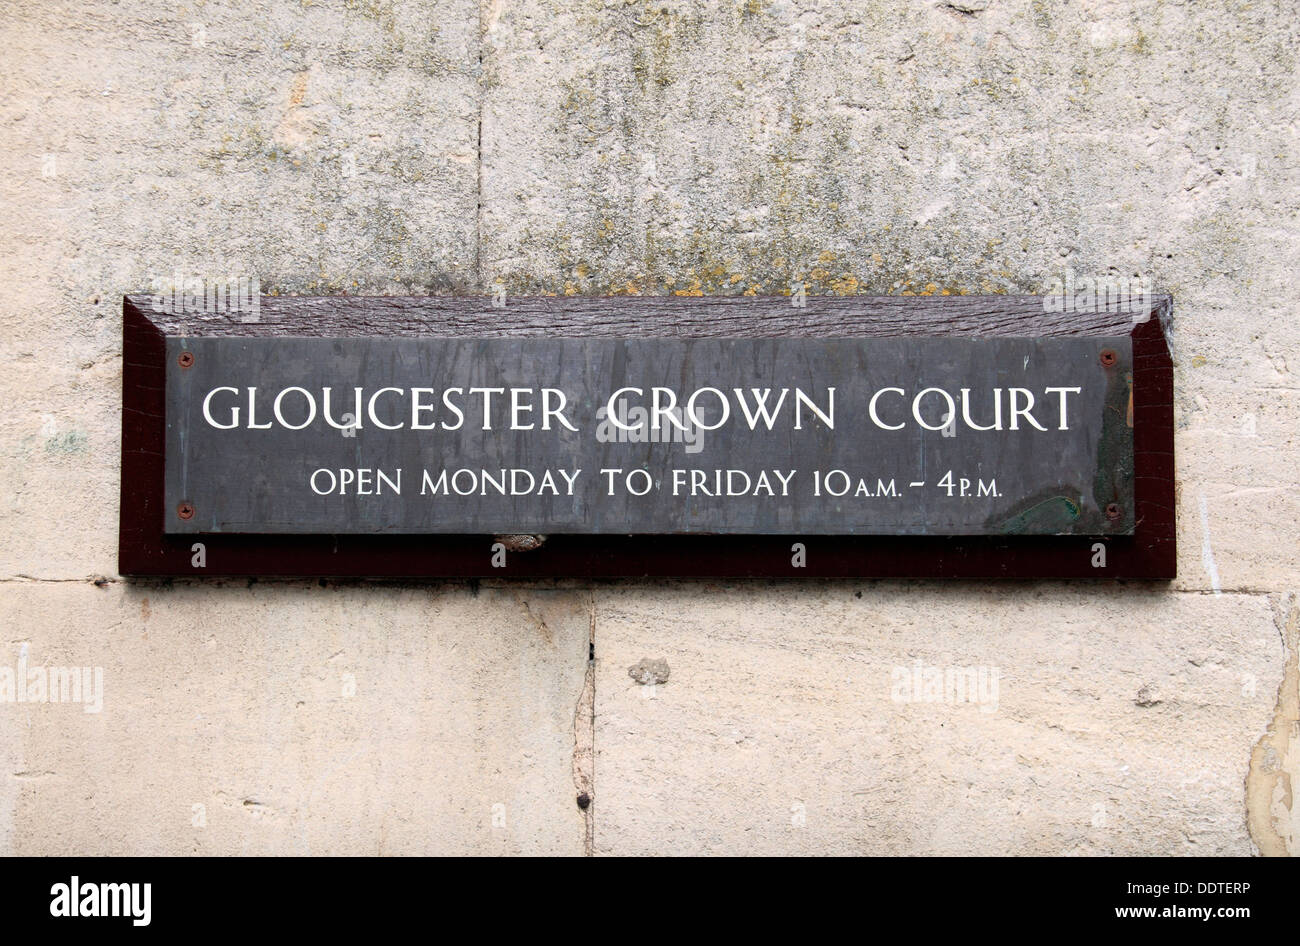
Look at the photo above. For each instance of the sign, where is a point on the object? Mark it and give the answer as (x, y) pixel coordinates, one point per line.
(883, 436)
(396, 437)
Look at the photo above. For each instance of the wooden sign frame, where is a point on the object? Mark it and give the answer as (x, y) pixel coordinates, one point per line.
(145, 550)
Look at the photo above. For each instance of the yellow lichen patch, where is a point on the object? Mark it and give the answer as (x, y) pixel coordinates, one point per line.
(694, 289)
(846, 285)
(826, 257)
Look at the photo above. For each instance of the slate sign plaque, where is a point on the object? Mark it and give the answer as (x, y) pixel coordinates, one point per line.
(616, 436)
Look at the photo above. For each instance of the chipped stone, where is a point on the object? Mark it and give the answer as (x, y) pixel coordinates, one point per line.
(646, 671)
(1147, 696)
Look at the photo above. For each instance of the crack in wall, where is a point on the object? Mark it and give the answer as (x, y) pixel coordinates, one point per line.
(584, 738)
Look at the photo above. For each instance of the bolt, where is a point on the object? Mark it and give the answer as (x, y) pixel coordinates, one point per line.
(1108, 357)
(1113, 511)
(186, 359)
(185, 511)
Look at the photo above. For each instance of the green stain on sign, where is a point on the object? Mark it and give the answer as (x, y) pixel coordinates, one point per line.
(1051, 515)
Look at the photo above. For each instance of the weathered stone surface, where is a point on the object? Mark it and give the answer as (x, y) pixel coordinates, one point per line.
(317, 149)
(1239, 486)
(933, 148)
(303, 720)
(780, 731)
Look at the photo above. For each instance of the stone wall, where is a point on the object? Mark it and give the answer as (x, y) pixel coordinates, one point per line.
(972, 146)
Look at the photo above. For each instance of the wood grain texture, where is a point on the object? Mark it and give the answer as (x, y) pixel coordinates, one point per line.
(146, 551)
(651, 317)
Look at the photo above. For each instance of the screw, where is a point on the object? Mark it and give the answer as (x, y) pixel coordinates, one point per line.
(185, 511)
(584, 800)
(186, 359)
(1108, 357)
(1113, 511)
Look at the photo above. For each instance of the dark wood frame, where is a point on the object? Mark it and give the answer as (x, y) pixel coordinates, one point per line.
(146, 551)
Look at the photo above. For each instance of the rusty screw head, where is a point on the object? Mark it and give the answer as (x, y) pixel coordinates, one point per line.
(186, 359)
(185, 511)
(1113, 512)
(1108, 357)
